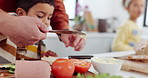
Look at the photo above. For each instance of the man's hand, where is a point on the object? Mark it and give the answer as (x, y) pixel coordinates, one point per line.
(22, 30)
(72, 40)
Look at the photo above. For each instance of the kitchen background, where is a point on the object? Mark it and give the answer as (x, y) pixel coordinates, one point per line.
(100, 20)
(106, 16)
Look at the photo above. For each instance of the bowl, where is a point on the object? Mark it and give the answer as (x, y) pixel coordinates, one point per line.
(106, 65)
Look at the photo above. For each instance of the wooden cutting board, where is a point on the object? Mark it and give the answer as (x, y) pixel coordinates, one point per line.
(138, 66)
(5, 74)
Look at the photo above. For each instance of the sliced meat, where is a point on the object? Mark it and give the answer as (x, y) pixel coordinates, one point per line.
(32, 69)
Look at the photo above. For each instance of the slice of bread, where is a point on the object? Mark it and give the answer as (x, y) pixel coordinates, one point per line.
(142, 48)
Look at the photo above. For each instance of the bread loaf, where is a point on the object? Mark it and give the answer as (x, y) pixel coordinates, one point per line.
(138, 57)
(135, 66)
(142, 48)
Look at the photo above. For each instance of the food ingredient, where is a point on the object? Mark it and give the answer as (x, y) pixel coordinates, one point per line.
(9, 67)
(81, 66)
(98, 76)
(106, 61)
(62, 68)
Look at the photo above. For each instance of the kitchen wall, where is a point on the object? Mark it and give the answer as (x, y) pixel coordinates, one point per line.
(96, 42)
(105, 9)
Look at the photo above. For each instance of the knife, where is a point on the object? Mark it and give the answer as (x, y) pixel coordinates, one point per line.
(67, 32)
(22, 51)
(80, 56)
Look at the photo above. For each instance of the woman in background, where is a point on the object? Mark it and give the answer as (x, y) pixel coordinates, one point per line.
(129, 34)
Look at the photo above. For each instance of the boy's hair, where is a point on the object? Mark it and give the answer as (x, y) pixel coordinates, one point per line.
(27, 4)
(126, 3)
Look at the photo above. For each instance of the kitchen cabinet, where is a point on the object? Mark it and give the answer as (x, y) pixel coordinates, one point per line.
(95, 43)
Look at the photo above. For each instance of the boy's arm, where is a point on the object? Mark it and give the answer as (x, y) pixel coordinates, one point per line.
(59, 19)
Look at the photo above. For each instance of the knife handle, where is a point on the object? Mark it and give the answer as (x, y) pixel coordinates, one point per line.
(80, 57)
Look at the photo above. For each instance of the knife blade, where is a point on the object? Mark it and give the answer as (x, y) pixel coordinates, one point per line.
(67, 32)
(80, 56)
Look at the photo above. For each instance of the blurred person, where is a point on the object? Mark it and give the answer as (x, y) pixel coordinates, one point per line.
(129, 34)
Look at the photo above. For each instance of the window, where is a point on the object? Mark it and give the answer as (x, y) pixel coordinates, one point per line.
(70, 6)
(146, 15)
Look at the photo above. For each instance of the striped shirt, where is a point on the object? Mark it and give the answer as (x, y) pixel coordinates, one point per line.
(8, 50)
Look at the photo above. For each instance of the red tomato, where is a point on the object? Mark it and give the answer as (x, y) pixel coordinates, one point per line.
(62, 68)
(81, 66)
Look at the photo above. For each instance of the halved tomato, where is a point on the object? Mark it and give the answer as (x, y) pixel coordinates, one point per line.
(81, 66)
(62, 68)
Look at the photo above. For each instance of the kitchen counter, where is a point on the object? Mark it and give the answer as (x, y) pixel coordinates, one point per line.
(125, 74)
(95, 43)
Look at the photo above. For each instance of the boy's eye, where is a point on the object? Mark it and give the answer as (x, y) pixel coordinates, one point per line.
(39, 16)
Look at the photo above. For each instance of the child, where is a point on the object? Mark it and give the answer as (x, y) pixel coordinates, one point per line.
(42, 9)
(129, 34)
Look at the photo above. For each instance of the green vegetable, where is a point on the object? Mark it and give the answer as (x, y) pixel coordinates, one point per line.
(9, 67)
(5, 66)
(12, 69)
(98, 76)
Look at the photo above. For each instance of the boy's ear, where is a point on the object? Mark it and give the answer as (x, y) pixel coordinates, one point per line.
(20, 12)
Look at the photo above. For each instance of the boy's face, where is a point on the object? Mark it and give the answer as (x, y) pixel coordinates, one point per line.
(43, 11)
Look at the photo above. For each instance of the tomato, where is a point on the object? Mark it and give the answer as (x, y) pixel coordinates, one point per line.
(81, 66)
(63, 68)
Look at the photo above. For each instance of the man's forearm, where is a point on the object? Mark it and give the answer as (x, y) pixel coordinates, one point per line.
(1, 20)
(59, 20)
(4, 17)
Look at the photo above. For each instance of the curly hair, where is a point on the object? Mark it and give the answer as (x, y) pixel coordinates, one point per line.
(27, 4)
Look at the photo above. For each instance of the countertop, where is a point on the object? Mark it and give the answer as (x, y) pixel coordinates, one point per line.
(125, 74)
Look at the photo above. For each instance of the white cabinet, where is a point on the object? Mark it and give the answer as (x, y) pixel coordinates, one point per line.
(95, 43)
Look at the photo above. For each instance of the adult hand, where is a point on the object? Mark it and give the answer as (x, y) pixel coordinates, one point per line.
(72, 40)
(22, 30)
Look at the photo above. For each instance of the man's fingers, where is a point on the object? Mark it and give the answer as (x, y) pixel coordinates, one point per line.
(42, 27)
(65, 39)
(80, 45)
(74, 40)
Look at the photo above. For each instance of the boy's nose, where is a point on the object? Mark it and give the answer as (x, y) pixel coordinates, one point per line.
(47, 22)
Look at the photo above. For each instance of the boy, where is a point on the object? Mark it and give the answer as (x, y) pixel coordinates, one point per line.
(41, 9)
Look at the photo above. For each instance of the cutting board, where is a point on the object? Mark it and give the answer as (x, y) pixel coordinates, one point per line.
(138, 66)
(5, 74)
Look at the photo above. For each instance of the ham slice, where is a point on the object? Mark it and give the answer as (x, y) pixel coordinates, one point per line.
(32, 69)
